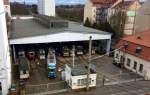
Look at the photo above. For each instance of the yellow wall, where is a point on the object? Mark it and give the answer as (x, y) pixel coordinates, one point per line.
(136, 5)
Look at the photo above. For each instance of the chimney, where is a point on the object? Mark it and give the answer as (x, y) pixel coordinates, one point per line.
(139, 37)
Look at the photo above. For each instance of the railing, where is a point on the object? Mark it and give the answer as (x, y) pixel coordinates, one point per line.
(43, 89)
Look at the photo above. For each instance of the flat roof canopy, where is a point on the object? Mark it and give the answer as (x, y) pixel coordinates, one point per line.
(28, 31)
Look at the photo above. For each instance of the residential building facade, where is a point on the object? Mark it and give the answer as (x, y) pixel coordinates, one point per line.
(46, 7)
(127, 8)
(97, 10)
(134, 53)
(143, 16)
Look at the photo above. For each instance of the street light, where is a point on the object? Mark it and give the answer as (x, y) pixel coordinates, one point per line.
(88, 69)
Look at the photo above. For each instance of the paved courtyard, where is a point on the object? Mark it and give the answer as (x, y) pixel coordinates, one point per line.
(104, 67)
(131, 88)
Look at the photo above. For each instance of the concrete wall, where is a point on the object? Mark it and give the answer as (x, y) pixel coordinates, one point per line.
(75, 85)
(5, 65)
(146, 69)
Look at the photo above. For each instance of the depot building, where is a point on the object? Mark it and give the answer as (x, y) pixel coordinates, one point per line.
(42, 30)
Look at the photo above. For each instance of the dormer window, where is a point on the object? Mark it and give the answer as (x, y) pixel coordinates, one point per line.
(138, 50)
(126, 45)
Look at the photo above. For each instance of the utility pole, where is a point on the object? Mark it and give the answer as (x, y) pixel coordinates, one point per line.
(133, 31)
(88, 68)
(73, 55)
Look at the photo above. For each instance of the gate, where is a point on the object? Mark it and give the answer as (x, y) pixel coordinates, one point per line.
(44, 89)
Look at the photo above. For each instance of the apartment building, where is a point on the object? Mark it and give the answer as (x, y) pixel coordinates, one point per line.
(143, 16)
(97, 10)
(127, 8)
(134, 53)
(46, 7)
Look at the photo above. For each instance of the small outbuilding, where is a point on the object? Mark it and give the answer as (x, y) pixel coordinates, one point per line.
(77, 77)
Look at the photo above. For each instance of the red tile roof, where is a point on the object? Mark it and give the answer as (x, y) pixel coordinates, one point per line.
(124, 4)
(144, 38)
(6, 2)
(103, 1)
(141, 39)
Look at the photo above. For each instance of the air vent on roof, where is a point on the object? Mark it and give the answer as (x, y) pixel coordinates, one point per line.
(50, 22)
(139, 37)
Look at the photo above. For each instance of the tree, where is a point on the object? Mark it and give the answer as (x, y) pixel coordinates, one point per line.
(95, 25)
(117, 22)
(87, 23)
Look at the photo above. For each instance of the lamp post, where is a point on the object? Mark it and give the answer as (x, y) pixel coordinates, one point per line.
(88, 67)
(73, 55)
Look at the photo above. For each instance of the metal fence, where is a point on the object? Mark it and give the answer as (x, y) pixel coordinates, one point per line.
(103, 80)
(44, 89)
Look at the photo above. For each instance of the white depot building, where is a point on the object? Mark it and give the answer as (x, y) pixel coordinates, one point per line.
(46, 7)
(5, 67)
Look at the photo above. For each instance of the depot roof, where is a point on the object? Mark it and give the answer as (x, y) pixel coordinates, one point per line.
(28, 31)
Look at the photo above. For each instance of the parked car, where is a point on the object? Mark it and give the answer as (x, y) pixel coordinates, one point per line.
(24, 68)
(71, 52)
(93, 50)
(65, 51)
(79, 50)
(21, 53)
(41, 54)
(31, 55)
(51, 64)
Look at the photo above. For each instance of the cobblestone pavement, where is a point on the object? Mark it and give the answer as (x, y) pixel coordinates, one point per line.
(131, 88)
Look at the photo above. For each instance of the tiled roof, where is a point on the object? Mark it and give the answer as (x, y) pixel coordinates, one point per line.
(139, 40)
(103, 1)
(6, 2)
(144, 38)
(124, 4)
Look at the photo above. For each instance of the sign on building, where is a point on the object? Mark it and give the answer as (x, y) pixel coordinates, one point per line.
(131, 13)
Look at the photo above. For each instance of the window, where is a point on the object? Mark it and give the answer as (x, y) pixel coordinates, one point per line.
(117, 55)
(128, 62)
(82, 82)
(135, 65)
(138, 50)
(141, 68)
